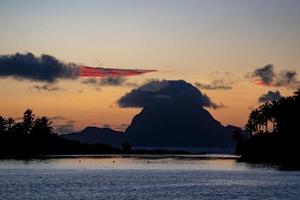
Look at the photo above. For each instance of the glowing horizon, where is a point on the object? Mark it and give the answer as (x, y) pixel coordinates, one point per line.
(214, 45)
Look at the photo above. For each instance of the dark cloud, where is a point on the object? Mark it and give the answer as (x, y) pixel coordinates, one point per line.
(45, 68)
(165, 92)
(267, 76)
(270, 96)
(112, 81)
(287, 78)
(49, 69)
(109, 81)
(47, 87)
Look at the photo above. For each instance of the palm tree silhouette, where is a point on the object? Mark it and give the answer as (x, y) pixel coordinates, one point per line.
(2, 125)
(28, 119)
(282, 142)
(10, 123)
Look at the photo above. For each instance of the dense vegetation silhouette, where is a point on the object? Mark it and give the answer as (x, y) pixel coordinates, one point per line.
(272, 133)
(35, 136)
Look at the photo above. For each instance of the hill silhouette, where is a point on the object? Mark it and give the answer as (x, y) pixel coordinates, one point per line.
(185, 126)
(94, 135)
(173, 115)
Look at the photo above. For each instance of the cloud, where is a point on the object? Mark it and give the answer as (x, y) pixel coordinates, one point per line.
(287, 78)
(218, 82)
(265, 74)
(158, 93)
(47, 87)
(114, 81)
(111, 72)
(109, 81)
(270, 96)
(47, 68)
(268, 77)
(67, 127)
(215, 85)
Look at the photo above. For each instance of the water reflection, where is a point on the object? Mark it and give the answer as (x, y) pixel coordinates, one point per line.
(161, 162)
(144, 177)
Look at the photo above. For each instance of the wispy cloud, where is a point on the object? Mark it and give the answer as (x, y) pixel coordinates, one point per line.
(219, 82)
(109, 81)
(67, 127)
(111, 72)
(47, 87)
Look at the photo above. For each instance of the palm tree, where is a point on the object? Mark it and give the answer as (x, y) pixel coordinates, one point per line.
(254, 122)
(2, 125)
(28, 119)
(273, 112)
(266, 114)
(10, 123)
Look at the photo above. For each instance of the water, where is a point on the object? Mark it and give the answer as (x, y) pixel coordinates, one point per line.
(145, 177)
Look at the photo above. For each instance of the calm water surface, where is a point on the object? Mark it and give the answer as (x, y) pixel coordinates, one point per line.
(145, 177)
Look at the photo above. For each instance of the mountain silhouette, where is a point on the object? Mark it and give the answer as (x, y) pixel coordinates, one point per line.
(173, 115)
(184, 126)
(94, 135)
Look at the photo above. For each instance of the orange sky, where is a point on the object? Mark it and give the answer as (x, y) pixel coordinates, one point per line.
(190, 41)
(88, 105)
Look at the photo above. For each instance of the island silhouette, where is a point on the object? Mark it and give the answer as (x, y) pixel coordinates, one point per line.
(173, 115)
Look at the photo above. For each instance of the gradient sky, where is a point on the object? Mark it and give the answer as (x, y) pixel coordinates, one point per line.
(183, 39)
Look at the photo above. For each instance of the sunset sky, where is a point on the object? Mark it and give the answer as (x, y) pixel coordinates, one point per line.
(194, 40)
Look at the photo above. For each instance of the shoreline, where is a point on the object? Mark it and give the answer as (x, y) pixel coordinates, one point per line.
(133, 155)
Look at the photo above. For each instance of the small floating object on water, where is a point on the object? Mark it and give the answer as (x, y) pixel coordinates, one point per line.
(79, 161)
(113, 161)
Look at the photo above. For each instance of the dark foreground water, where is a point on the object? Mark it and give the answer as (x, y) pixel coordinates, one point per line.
(146, 178)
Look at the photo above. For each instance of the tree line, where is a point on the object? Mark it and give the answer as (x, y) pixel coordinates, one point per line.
(35, 136)
(272, 132)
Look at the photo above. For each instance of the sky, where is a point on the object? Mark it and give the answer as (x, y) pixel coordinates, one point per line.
(194, 40)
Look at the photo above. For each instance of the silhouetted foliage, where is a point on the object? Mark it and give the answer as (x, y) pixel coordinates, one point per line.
(126, 147)
(272, 132)
(35, 136)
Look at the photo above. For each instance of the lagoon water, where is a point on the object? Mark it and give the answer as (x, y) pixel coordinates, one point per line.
(145, 177)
